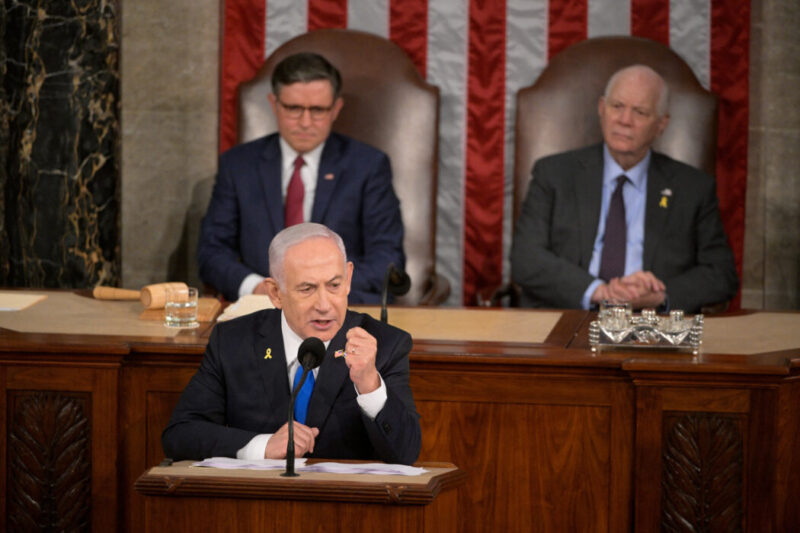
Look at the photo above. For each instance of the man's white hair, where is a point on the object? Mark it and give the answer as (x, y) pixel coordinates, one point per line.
(663, 95)
(292, 236)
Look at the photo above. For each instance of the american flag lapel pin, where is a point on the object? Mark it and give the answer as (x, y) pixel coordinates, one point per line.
(328, 176)
(338, 353)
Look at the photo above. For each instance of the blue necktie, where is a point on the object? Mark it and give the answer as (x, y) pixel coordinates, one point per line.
(303, 397)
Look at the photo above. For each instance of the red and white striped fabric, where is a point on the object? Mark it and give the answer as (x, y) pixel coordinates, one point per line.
(479, 53)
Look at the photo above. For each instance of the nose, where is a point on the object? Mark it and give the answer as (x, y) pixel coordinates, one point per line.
(305, 118)
(626, 115)
(323, 302)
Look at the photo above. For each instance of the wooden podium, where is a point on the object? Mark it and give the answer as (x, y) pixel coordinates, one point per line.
(184, 498)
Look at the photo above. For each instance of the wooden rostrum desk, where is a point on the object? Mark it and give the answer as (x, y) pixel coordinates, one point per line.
(180, 497)
(551, 436)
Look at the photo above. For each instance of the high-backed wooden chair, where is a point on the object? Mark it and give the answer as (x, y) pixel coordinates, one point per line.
(388, 105)
(559, 112)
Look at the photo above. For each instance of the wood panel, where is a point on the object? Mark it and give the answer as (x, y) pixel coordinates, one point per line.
(787, 476)
(49, 474)
(229, 515)
(536, 448)
(63, 441)
(150, 392)
(713, 452)
(702, 482)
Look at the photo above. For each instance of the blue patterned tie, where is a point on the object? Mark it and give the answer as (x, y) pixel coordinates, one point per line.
(303, 397)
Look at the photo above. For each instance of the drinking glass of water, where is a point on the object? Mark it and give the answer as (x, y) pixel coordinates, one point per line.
(180, 309)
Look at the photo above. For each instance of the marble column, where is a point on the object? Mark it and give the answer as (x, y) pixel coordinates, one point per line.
(771, 269)
(59, 177)
(170, 80)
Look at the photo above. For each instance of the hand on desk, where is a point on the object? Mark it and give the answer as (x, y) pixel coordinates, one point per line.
(303, 441)
(641, 289)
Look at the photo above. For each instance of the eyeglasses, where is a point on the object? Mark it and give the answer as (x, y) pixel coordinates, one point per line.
(297, 111)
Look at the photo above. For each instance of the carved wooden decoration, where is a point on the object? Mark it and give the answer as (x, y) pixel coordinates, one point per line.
(49, 462)
(702, 472)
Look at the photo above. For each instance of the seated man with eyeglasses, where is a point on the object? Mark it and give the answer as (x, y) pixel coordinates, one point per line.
(303, 173)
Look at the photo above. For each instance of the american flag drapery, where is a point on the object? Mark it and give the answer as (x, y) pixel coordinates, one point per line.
(479, 53)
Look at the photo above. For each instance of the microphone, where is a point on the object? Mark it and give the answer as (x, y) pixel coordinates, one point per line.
(397, 282)
(310, 355)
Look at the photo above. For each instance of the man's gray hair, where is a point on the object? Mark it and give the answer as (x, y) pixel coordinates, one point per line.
(662, 107)
(305, 67)
(293, 235)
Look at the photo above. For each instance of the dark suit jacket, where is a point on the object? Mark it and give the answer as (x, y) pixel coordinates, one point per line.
(246, 211)
(685, 244)
(238, 393)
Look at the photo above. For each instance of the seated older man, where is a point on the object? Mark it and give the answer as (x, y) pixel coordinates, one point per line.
(619, 221)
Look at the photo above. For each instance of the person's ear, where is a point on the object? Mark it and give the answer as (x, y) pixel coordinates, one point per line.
(348, 275)
(274, 292)
(663, 122)
(273, 102)
(337, 106)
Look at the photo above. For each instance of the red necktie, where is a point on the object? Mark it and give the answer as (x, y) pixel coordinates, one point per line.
(293, 211)
(612, 258)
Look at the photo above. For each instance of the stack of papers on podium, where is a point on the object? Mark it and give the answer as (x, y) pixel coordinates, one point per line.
(242, 464)
(301, 466)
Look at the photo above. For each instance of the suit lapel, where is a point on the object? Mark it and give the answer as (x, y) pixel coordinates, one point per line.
(328, 177)
(588, 184)
(332, 376)
(656, 211)
(269, 173)
(271, 357)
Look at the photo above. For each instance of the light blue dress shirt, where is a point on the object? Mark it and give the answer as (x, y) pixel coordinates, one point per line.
(634, 192)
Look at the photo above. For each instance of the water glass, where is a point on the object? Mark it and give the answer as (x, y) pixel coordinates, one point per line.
(180, 309)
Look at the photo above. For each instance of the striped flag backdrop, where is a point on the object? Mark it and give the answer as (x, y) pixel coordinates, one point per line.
(479, 53)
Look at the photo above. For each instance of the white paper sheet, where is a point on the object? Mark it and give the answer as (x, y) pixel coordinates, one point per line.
(17, 301)
(241, 464)
(301, 466)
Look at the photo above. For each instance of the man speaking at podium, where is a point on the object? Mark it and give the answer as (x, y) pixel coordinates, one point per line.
(360, 405)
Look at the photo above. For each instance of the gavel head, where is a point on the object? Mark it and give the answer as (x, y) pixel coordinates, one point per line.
(155, 296)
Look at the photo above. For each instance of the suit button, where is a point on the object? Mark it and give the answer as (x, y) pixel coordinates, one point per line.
(387, 428)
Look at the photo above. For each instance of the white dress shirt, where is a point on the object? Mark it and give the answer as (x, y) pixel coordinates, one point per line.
(308, 173)
(634, 193)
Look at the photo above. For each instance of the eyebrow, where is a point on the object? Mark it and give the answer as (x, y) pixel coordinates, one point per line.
(301, 284)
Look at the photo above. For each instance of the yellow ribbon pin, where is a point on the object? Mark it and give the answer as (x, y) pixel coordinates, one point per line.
(663, 202)
(268, 355)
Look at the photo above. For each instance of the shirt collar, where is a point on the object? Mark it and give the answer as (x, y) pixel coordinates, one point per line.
(637, 174)
(289, 154)
(292, 341)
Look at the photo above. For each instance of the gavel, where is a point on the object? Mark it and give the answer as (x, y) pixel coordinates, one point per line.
(152, 296)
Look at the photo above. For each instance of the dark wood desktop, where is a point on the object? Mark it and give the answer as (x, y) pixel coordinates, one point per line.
(551, 436)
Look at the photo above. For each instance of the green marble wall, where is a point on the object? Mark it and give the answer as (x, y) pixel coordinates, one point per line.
(59, 164)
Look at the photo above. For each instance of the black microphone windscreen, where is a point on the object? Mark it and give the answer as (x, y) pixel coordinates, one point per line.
(399, 281)
(311, 353)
